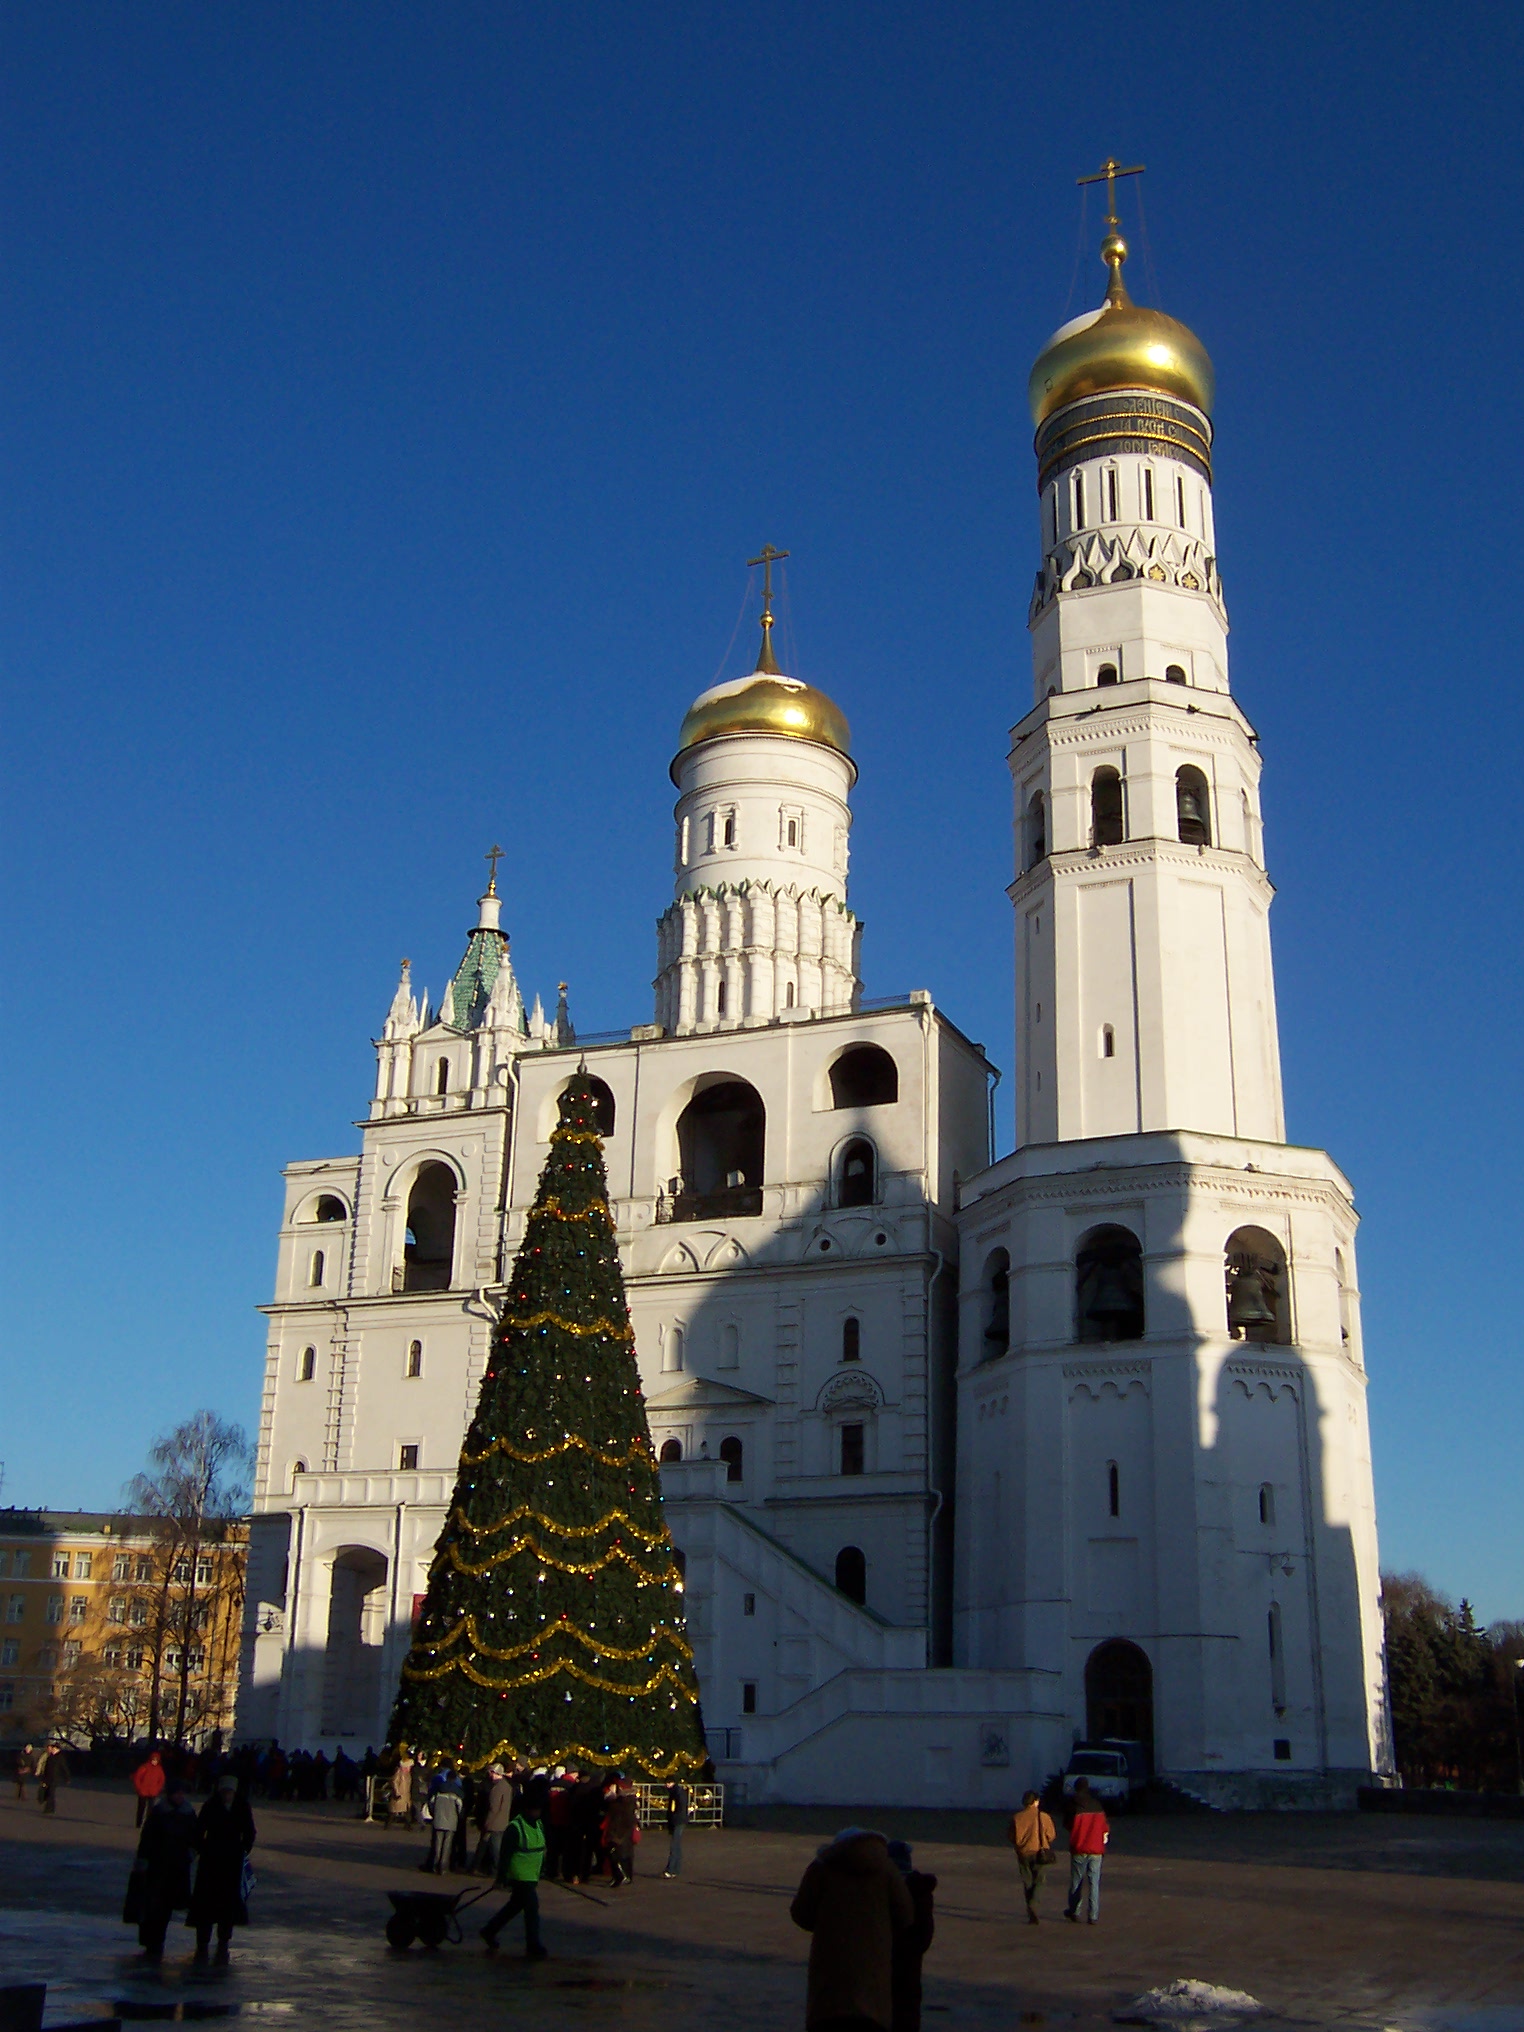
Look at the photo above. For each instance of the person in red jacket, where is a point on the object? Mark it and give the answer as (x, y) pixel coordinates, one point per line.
(1088, 1836)
(148, 1782)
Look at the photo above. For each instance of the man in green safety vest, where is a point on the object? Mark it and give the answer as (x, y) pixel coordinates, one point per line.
(519, 1873)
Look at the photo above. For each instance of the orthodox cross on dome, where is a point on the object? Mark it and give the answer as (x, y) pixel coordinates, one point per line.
(493, 855)
(1107, 174)
(767, 559)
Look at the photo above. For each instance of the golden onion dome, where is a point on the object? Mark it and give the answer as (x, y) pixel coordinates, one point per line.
(1121, 345)
(767, 702)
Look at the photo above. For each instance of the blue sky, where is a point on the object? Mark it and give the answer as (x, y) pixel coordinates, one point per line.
(392, 394)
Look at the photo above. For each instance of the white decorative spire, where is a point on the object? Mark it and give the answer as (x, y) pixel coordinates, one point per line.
(562, 1030)
(402, 1018)
(505, 1005)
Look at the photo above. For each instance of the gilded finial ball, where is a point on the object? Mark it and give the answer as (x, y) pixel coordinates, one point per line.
(1113, 248)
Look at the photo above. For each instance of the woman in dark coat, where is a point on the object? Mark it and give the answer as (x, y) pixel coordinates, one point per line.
(161, 1874)
(224, 1836)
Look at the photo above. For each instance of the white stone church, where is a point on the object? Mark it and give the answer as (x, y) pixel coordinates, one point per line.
(965, 1459)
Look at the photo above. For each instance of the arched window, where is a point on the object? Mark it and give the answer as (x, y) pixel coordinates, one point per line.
(1037, 829)
(1254, 1267)
(306, 1365)
(671, 1450)
(1267, 1502)
(603, 1106)
(859, 1174)
(414, 1358)
(852, 1574)
(865, 1076)
(721, 1138)
(1174, 673)
(730, 828)
(709, 832)
(1180, 500)
(1106, 829)
(672, 1350)
(997, 1304)
(428, 1254)
(1113, 1490)
(792, 832)
(1148, 494)
(1079, 500)
(1277, 1659)
(733, 1454)
(1111, 493)
(442, 1077)
(1108, 674)
(298, 1467)
(720, 999)
(316, 1277)
(1108, 1286)
(1119, 1696)
(851, 1339)
(854, 1448)
(1193, 807)
(330, 1208)
(1108, 1041)
(788, 995)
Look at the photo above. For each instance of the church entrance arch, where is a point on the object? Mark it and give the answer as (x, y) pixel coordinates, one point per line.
(1119, 1695)
(357, 1606)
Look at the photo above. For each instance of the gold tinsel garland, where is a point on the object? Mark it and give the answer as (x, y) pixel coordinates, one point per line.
(506, 1751)
(627, 1690)
(561, 1530)
(605, 1329)
(467, 1626)
(642, 1578)
(638, 1450)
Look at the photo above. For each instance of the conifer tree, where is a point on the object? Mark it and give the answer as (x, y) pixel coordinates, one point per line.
(552, 1630)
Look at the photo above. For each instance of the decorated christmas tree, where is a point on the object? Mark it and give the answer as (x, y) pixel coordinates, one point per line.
(552, 1629)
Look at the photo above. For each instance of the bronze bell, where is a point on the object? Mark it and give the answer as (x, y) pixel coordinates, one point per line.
(1193, 825)
(1113, 1304)
(1249, 1306)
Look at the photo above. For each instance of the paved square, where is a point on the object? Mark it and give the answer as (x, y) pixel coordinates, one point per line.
(1330, 1920)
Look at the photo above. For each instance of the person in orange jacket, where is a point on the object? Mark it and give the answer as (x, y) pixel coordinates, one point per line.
(148, 1782)
(1088, 1836)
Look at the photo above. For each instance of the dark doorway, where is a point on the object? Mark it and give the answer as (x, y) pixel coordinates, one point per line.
(852, 1574)
(1119, 1696)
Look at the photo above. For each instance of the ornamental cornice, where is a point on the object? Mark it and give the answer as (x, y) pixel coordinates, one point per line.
(1093, 559)
(1145, 853)
(1207, 729)
(1101, 1181)
(1102, 1369)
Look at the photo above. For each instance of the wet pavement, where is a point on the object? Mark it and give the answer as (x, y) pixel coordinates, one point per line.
(1390, 1925)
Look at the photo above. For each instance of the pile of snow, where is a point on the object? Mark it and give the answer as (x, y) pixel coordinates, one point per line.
(1189, 2007)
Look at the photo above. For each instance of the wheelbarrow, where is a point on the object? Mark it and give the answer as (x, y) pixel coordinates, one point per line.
(430, 1916)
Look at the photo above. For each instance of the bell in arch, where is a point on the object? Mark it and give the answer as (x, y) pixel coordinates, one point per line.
(1191, 810)
(1251, 1308)
(1113, 1304)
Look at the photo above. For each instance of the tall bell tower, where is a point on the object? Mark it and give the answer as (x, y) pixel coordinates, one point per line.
(1164, 1490)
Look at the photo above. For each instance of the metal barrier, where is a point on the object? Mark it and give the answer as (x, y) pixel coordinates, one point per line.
(706, 1805)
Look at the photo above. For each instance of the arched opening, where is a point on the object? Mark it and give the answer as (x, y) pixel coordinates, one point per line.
(1267, 1502)
(721, 999)
(603, 1106)
(415, 1358)
(1277, 1659)
(865, 1076)
(1119, 1696)
(1174, 673)
(721, 1136)
(1108, 674)
(851, 1339)
(793, 832)
(298, 1467)
(789, 995)
(318, 1263)
(672, 1350)
(1108, 1286)
(854, 1448)
(1108, 1041)
(442, 1077)
(858, 1176)
(330, 1208)
(1254, 1268)
(1113, 1489)
(730, 828)
(306, 1365)
(852, 1574)
(997, 1305)
(352, 1655)
(1106, 823)
(1346, 1306)
(428, 1252)
(1037, 830)
(1193, 807)
(733, 1454)
(671, 1450)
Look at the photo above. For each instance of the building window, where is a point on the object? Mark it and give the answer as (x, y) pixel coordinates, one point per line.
(21, 1565)
(79, 1608)
(306, 1365)
(865, 1076)
(1108, 1281)
(682, 844)
(182, 1572)
(1111, 493)
(730, 828)
(788, 995)
(55, 1609)
(203, 1573)
(5, 1563)
(720, 999)
(10, 1651)
(1267, 1503)
(997, 1305)
(1174, 673)
(116, 1611)
(1108, 1041)
(733, 1455)
(1107, 828)
(137, 1615)
(672, 1351)
(1148, 494)
(748, 1696)
(1108, 674)
(135, 1658)
(1282, 1750)
(1277, 1659)
(121, 1567)
(331, 1208)
(791, 833)
(442, 1077)
(428, 1249)
(407, 1457)
(1079, 500)
(71, 1651)
(145, 1567)
(852, 1574)
(851, 1339)
(15, 1608)
(60, 1566)
(1113, 1490)
(1193, 807)
(316, 1277)
(853, 1449)
(47, 1658)
(414, 1358)
(859, 1181)
(1180, 501)
(1037, 829)
(671, 1450)
(709, 822)
(82, 1564)
(748, 1605)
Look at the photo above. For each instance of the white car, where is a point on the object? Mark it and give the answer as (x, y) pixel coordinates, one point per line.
(1106, 1773)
